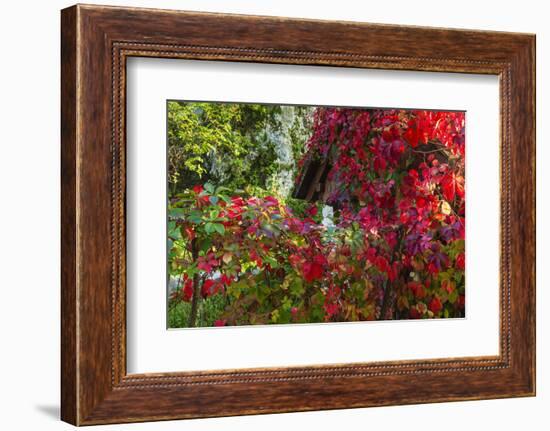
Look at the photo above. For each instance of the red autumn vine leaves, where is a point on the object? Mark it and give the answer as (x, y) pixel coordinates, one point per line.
(386, 241)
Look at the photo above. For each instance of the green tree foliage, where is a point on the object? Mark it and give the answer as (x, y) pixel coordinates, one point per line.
(222, 143)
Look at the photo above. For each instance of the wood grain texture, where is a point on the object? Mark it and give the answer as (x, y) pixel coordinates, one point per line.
(69, 397)
(96, 41)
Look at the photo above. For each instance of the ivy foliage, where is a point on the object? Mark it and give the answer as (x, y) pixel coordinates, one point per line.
(382, 237)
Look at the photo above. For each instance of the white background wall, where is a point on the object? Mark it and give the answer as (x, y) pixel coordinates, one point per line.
(29, 215)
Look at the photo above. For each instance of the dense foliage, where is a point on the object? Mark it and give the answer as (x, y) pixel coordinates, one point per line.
(229, 143)
(387, 242)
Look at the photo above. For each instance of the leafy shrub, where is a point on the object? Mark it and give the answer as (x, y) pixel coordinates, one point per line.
(386, 243)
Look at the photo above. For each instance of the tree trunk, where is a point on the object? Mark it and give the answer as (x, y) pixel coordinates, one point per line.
(196, 288)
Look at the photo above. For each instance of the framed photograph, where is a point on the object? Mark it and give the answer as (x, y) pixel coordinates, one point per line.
(264, 215)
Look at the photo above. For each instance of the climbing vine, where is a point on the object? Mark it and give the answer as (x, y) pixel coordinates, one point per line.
(379, 234)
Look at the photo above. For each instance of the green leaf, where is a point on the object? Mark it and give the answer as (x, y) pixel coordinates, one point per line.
(209, 187)
(220, 228)
(195, 217)
(205, 245)
(297, 287)
(226, 199)
(213, 200)
(209, 228)
(222, 189)
(177, 213)
(453, 296)
(458, 276)
(271, 261)
(214, 214)
(174, 231)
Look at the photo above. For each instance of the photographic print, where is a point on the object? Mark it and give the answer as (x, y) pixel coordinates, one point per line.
(288, 214)
(217, 186)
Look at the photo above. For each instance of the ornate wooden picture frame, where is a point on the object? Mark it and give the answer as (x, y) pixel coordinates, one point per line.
(96, 41)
